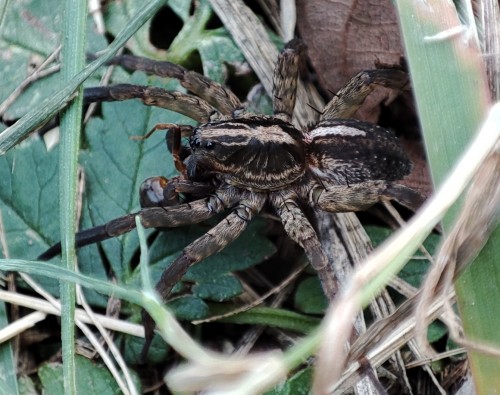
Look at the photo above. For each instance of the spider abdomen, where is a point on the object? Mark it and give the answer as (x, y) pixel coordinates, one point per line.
(255, 152)
(350, 152)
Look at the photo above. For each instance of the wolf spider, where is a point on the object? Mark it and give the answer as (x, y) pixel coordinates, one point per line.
(238, 162)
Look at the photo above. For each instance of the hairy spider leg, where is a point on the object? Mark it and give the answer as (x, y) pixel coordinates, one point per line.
(218, 96)
(182, 103)
(300, 230)
(350, 98)
(215, 240)
(155, 217)
(361, 196)
(286, 73)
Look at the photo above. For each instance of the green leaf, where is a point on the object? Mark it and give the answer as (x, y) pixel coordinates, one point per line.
(28, 190)
(309, 297)
(248, 250)
(30, 33)
(189, 308)
(299, 384)
(117, 14)
(29, 208)
(436, 331)
(216, 50)
(133, 345)
(181, 7)
(26, 386)
(92, 378)
(218, 288)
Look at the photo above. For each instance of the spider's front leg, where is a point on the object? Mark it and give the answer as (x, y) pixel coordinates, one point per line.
(182, 103)
(222, 234)
(157, 217)
(218, 96)
(210, 101)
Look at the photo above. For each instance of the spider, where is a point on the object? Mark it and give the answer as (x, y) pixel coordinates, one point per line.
(239, 162)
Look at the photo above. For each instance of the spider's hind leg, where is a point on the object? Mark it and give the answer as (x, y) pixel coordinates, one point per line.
(286, 73)
(350, 98)
(361, 196)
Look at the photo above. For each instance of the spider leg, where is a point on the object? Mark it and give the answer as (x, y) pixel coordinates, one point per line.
(215, 240)
(160, 191)
(182, 103)
(154, 217)
(286, 73)
(222, 234)
(347, 101)
(300, 230)
(225, 101)
(361, 196)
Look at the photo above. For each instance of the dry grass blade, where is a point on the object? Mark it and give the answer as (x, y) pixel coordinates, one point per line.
(478, 218)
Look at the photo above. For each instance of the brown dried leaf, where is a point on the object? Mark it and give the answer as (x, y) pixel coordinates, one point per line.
(345, 37)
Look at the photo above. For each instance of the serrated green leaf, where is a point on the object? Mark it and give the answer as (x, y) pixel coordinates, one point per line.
(248, 250)
(181, 7)
(29, 208)
(309, 297)
(30, 33)
(211, 275)
(92, 378)
(133, 345)
(217, 49)
(41, 25)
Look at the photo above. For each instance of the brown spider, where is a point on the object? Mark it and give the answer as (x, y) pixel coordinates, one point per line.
(238, 162)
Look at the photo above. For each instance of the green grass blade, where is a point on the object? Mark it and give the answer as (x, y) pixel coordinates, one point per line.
(452, 97)
(62, 274)
(8, 365)
(73, 61)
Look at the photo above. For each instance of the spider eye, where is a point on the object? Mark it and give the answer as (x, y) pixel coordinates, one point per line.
(210, 145)
(194, 142)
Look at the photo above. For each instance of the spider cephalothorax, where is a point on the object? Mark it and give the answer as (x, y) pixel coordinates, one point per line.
(239, 162)
(253, 152)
